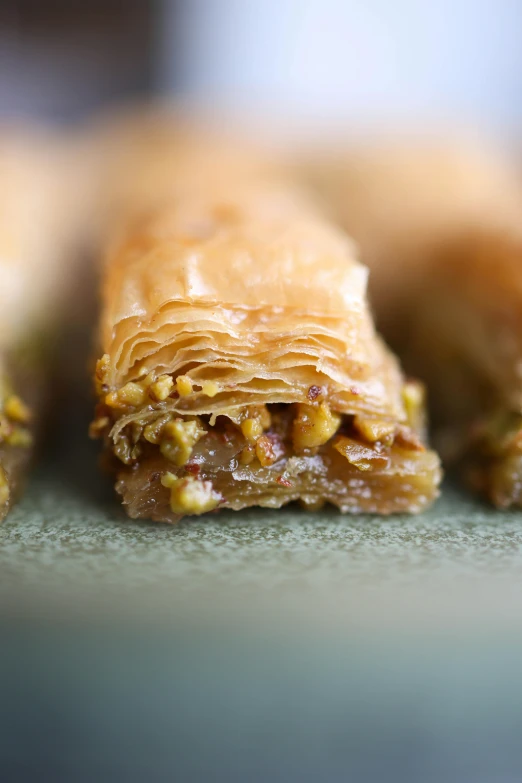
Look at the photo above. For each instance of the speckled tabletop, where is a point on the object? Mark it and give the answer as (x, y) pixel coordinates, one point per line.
(66, 532)
(257, 646)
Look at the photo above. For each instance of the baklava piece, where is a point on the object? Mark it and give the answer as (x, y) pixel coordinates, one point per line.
(240, 366)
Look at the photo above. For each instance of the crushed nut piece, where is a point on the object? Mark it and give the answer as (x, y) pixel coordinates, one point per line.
(132, 394)
(189, 495)
(259, 413)
(179, 438)
(375, 430)
(160, 389)
(265, 451)
(210, 388)
(251, 429)
(314, 425)
(183, 385)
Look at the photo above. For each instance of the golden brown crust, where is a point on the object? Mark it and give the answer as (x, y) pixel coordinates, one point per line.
(274, 289)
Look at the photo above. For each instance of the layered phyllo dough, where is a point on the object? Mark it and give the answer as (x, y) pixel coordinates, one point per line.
(239, 364)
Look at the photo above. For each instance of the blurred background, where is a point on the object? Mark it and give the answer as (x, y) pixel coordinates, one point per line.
(267, 649)
(319, 60)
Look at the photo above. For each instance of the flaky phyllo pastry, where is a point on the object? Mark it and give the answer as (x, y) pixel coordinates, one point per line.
(240, 366)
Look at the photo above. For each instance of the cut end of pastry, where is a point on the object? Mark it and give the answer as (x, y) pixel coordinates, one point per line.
(177, 466)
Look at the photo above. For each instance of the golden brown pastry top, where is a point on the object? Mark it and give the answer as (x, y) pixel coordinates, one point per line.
(250, 289)
(256, 246)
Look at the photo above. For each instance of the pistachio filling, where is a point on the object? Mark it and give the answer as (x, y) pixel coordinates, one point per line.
(189, 495)
(314, 425)
(261, 436)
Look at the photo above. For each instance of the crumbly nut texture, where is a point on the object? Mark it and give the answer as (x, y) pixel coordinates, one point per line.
(264, 450)
(184, 385)
(252, 429)
(375, 431)
(161, 389)
(130, 395)
(179, 438)
(210, 388)
(189, 495)
(314, 425)
(271, 441)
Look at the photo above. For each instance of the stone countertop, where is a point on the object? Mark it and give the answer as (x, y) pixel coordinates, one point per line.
(258, 645)
(459, 557)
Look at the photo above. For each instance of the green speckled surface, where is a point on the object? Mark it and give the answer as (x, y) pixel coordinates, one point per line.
(264, 645)
(76, 537)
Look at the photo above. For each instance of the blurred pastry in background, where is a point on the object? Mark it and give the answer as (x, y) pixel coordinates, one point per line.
(467, 345)
(441, 230)
(143, 155)
(40, 219)
(401, 197)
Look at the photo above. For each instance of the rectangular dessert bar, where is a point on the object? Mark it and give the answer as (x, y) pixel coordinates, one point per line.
(239, 365)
